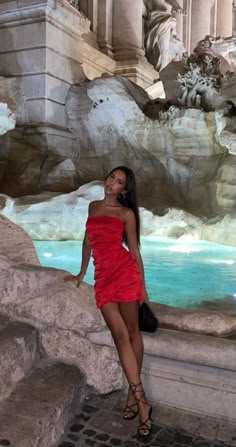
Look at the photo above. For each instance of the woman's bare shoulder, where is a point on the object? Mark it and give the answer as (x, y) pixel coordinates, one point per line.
(94, 205)
(128, 214)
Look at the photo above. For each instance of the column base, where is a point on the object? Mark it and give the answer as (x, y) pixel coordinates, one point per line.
(137, 70)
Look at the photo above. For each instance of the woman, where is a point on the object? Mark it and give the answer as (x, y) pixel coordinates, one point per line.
(119, 280)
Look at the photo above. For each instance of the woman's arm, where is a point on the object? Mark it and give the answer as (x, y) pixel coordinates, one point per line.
(130, 229)
(86, 253)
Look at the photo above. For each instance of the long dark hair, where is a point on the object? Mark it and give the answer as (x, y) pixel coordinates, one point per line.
(129, 199)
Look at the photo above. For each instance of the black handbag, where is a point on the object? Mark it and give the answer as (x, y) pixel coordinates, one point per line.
(148, 322)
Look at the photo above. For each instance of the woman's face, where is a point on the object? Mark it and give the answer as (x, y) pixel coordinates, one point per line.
(115, 183)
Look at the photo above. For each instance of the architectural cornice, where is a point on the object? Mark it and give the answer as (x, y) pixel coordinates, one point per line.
(52, 11)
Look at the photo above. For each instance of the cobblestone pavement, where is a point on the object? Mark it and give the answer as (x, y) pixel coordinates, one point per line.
(100, 424)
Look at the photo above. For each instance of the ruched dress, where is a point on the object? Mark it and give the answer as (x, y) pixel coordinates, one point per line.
(116, 275)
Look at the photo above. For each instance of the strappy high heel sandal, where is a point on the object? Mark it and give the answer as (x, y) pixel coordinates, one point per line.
(129, 413)
(144, 430)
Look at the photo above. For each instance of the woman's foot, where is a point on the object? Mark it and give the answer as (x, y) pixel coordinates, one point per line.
(145, 426)
(131, 409)
(144, 409)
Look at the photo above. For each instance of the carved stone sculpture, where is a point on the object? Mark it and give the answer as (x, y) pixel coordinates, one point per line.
(207, 79)
(74, 3)
(160, 38)
(11, 100)
(224, 49)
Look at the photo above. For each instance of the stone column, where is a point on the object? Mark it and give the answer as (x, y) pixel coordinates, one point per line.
(128, 43)
(104, 29)
(234, 18)
(224, 21)
(186, 17)
(179, 21)
(90, 10)
(200, 20)
(128, 29)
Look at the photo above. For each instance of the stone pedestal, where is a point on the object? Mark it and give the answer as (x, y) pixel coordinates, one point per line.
(224, 21)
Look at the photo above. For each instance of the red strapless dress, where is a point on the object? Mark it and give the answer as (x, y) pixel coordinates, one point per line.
(116, 274)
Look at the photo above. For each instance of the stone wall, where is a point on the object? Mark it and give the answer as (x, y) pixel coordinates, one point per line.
(41, 44)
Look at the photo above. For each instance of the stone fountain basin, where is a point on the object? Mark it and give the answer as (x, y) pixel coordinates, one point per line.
(189, 363)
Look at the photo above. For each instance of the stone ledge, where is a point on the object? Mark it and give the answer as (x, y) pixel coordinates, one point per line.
(191, 387)
(183, 346)
(220, 323)
(192, 372)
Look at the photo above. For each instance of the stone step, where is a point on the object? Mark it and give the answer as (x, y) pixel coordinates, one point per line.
(38, 410)
(18, 352)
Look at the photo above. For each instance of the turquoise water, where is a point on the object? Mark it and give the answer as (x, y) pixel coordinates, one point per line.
(192, 275)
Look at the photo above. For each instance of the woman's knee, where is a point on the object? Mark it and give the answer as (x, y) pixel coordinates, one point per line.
(133, 332)
(121, 336)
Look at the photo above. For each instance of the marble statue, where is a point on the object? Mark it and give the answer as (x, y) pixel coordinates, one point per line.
(160, 37)
(202, 82)
(7, 119)
(219, 47)
(10, 95)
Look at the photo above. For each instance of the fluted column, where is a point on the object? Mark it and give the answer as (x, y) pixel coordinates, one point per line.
(127, 29)
(224, 21)
(179, 21)
(104, 30)
(234, 18)
(90, 10)
(200, 20)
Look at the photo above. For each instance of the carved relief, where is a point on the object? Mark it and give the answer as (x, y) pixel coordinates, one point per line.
(160, 37)
(199, 90)
(222, 48)
(74, 3)
(202, 83)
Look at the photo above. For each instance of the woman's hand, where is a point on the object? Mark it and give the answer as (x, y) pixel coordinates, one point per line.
(145, 297)
(79, 278)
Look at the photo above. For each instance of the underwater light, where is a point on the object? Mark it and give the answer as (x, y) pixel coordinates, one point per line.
(47, 255)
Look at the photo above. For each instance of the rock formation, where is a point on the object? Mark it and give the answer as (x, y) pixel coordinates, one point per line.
(63, 314)
(181, 149)
(177, 155)
(66, 317)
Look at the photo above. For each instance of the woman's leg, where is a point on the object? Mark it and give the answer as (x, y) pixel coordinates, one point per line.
(129, 312)
(115, 322)
(119, 330)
